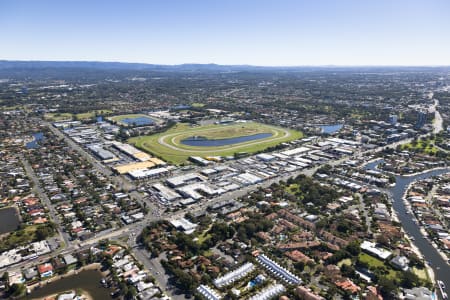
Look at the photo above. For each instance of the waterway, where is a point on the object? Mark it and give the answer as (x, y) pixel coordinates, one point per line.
(35, 142)
(10, 219)
(329, 129)
(434, 259)
(205, 142)
(88, 281)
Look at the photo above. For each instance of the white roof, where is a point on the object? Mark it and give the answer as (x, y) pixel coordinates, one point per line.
(373, 249)
(295, 151)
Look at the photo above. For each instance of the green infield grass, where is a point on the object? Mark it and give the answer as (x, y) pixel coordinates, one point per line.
(168, 145)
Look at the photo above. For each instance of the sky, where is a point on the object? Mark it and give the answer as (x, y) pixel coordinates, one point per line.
(229, 32)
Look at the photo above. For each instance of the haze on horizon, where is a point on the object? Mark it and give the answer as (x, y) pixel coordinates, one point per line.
(252, 32)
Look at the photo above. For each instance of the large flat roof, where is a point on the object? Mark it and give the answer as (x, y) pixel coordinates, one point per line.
(123, 169)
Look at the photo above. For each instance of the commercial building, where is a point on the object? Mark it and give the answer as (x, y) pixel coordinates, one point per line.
(296, 151)
(184, 225)
(199, 160)
(123, 169)
(198, 190)
(148, 173)
(181, 180)
(100, 152)
(165, 192)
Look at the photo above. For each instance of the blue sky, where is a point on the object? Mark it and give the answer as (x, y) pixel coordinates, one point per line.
(256, 32)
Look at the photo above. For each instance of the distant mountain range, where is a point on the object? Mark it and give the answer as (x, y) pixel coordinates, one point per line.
(11, 64)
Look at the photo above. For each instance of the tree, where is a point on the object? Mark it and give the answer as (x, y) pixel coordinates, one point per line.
(353, 248)
(409, 280)
(17, 289)
(387, 287)
(131, 293)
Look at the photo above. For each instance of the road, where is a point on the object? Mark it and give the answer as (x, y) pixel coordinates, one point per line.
(438, 122)
(125, 231)
(37, 189)
(119, 181)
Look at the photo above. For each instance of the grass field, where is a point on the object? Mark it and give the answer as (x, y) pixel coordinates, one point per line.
(422, 146)
(168, 146)
(198, 105)
(55, 117)
(121, 117)
(91, 114)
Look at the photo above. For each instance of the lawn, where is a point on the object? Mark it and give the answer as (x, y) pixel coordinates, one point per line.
(19, 237)
(168, 146)
(374, 262)
(55, 117)
(346, 261)
(204, 235)
(421, 273)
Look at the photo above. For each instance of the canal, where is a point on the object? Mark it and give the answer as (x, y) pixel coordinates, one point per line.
(436, 261)
(88, 281)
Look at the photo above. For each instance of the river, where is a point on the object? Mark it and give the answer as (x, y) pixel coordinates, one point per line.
(438, 264)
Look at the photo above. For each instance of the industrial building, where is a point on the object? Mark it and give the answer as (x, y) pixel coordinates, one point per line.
(165, 192)
(185, 179)
(149, 173)
(100, 152)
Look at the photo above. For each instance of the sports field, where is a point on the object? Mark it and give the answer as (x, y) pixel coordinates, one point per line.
(132, 119)
(55, 117)
(168, 145)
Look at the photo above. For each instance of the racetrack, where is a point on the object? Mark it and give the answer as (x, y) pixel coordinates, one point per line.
(168, 145)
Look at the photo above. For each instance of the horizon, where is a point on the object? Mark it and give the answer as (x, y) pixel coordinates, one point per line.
(223, 65)
(264, 33)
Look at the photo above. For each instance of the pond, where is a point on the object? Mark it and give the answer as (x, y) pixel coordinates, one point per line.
(138, 121)
(35, 142)
(88, 280)
(10, 219)
(199, 141)
(329, 129)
